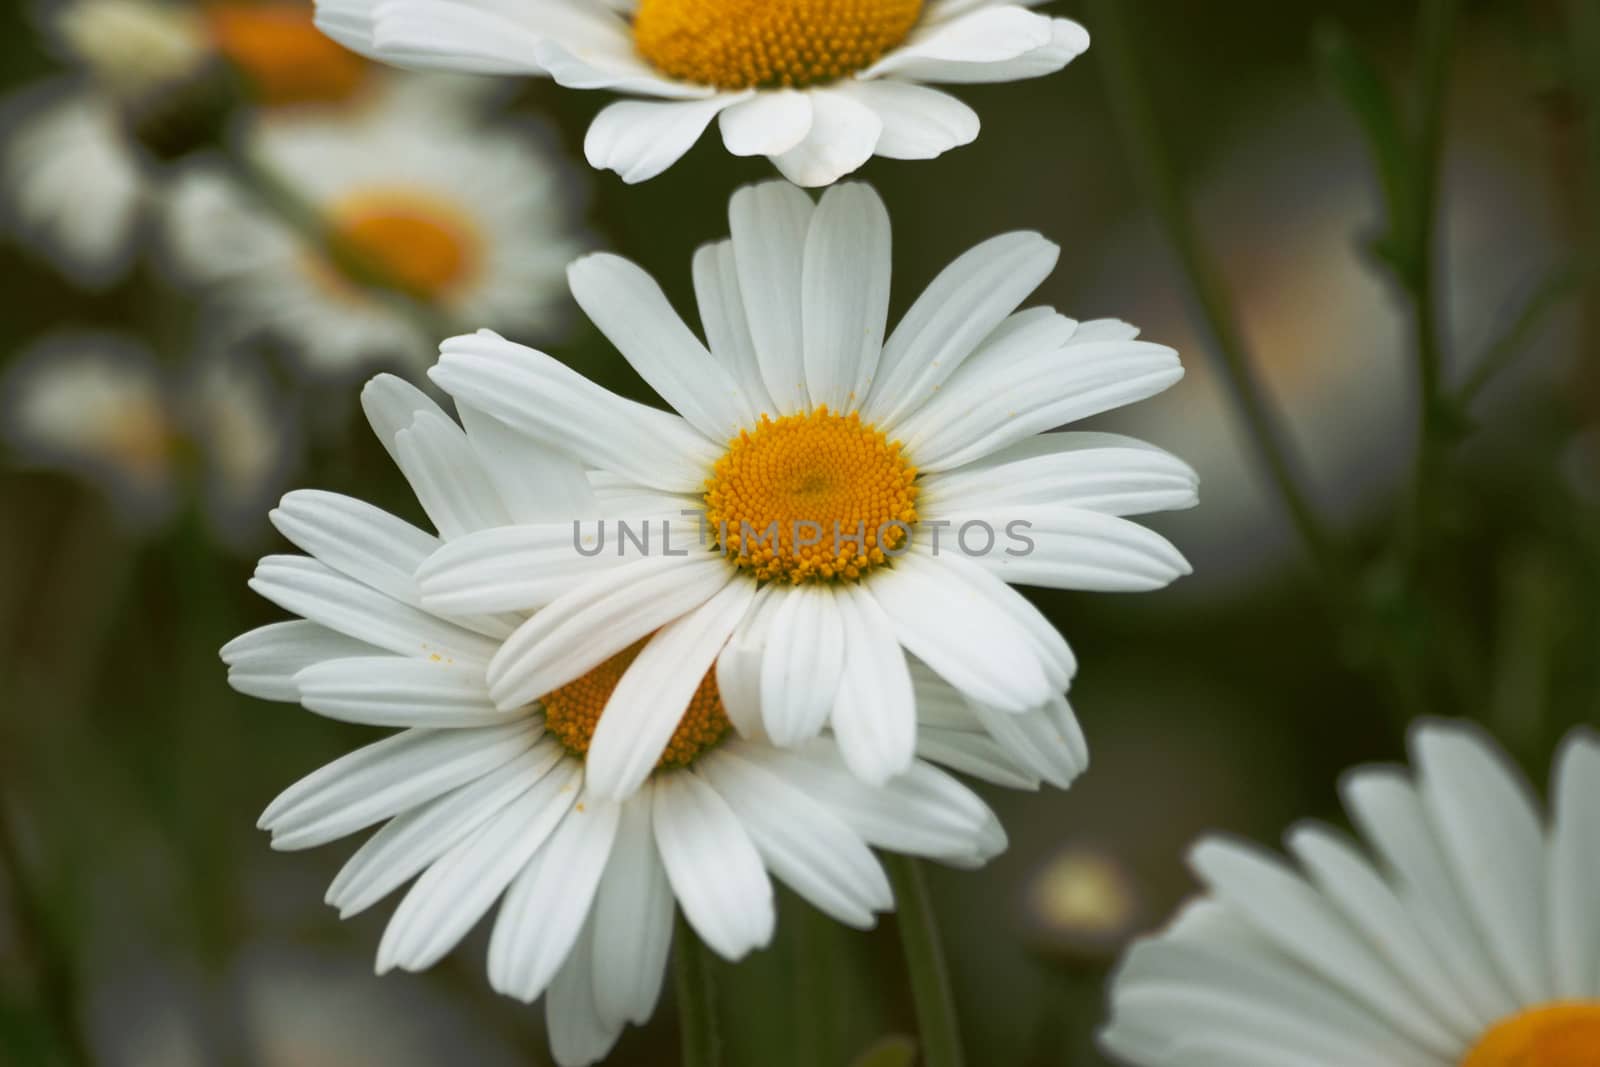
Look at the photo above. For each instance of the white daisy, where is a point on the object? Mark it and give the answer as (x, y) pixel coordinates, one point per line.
(473, 221)
(817, 86)
(870, 499)
(1472, 941)
(99, 406)
(487, 802)
(75, 185)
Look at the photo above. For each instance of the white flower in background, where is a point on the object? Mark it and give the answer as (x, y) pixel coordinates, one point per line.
(75, 187)
(912, 460)
(817, 86)
(490, 803)
(1472, 941)
(97, 405)
(473, 220)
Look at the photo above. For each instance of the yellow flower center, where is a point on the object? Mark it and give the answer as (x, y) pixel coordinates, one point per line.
(741, 44)
(1556, 1035)
(420, 244)
(572, 712)
(283, 56)
(813, 496)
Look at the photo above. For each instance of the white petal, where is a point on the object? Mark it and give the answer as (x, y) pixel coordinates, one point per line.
(918, 122)
(323, 595)
(973, 645)
(535, 482)
(632, 918)
(391, 404)
(533, 393)
(400, 691)
(654, 692)
(968, 299)
(639, 140)
(449, 481)
(770, 222)
(739, 666)
(616, 66)
(972, 753)
(844, 294)
(513, 568)
(801, 659)
(715, 870)
(386, 778)
(1572, 919)
(992, 44)
(412, 841)
(716, 288)
(875, 716)
(356, 539)
(1060, 665)
(546, 906)
(767, 124)
(454, 893)
(1066, 548)
(1093, 471)
(804, 844)
(1035, 742)
(263, 662)
(843, 134)
(578, 1035)
(582, 629)
(632, 311)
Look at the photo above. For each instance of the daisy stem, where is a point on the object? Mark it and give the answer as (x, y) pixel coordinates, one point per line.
(1153, 168)
(358, 266)
(697, 999)
(930, 975)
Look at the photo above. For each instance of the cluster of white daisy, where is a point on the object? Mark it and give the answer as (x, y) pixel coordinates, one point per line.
(646, 661)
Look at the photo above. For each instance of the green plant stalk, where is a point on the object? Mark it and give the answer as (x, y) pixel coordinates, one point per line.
(697, 999)
(938, 1027)
(1154, 171)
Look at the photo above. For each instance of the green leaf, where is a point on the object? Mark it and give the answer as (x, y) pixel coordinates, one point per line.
(895, 1050)
(1355, 80)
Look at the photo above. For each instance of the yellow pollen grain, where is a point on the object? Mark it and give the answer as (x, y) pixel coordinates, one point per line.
(572, 712)
(419, 243)
(283, 56)
(1565, 1034)
(833, 471)
(743, 44)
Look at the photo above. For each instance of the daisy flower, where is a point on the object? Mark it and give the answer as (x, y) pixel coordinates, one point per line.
(866, 500)
(470, 220)
(1472, 939)
(75, 185)
(100, 407)
(482, 802)
(817, 86)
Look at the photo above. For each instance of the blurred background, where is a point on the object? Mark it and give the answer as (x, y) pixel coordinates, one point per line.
(174, 355)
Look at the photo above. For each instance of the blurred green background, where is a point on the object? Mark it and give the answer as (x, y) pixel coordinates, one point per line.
(140, 906)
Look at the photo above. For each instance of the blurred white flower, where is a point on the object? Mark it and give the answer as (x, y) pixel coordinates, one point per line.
(481, 802)
(97, 405)
(1473, 941)
(474, 220)
(817, 86)
(865, 503)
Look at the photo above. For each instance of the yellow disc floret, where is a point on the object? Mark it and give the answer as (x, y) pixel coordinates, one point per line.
(742, 44)
(282, 54)
(572, 712)
(810, 497)
(1556, 1035)
(413, 241)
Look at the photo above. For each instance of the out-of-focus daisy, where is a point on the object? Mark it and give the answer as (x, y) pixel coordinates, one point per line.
(99, 406)
(1472, 941)
(74, 181)
(1082, 904)
(817, 86)
(485, 801)
(865, 500)
(475, 222)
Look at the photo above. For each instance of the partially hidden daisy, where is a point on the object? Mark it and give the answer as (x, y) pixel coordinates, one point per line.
(480, 802)
(471, 219)
(76, 186)
(855, 506)
(1470, 939)
(817, 86)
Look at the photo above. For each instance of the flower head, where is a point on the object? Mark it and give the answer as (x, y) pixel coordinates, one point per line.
(817, 86)
(1470, 940)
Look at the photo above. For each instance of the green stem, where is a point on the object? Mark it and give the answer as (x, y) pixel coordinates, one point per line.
(1155, 173)
(355, 263)
(697, 999)
(52, 963)
(930, 975)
